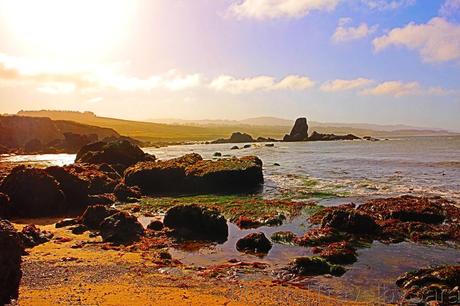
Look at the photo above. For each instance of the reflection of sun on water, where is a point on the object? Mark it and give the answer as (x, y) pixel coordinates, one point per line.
(68, 28)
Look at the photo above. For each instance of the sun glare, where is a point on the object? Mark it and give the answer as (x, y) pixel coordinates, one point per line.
(68, 28)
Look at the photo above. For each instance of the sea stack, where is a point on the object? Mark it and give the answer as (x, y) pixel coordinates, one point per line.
(299, 132)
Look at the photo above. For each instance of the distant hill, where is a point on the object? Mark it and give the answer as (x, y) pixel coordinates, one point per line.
(176, 130)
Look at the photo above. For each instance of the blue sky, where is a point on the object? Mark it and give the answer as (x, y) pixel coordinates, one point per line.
(375, 61)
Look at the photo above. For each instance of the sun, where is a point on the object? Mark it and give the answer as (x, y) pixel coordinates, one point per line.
(68, 28)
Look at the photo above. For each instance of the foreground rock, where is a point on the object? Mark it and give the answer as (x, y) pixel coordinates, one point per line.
(10, 262)
(121, 227)
(191, 174)
(121, 153)
(315, 136)
(194, 222)
(254, 243)
(311, 266)
(440, 285)
(32, 236)
(299, 131)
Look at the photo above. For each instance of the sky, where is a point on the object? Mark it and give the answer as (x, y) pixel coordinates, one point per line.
(353, 61)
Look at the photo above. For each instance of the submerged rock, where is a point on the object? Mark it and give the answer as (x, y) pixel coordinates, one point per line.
(121, 227)
(254, 243)
(319, 236)
(246, 222)
(33, 193)
(11, 250)
(315, 136)
(190, 173)
(438, 284)
(236, 137)
(311, 266)
(350, 222)
(299, 131)
(194, 222)
(32, 236)
(121, 152)
(283, 237)
(338, 252)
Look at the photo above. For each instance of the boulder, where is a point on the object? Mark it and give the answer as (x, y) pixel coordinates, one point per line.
(32, 236)
(194, 222)
(33, 193)
(74, 188)
(155, 225)
(125, 193)
(191, 174)
(95, 215)
(121, 227)
(100, 178)
(311, 266)
(254, 243)
(121, 152)
(350, 222)
(315, 136)
(434, 286)
(299, 131)
(11, 250)
(236, 137)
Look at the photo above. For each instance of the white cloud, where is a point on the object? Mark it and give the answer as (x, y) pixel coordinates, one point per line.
(450, 7)
(382, 5)
(343, 33)
(266, 9)
(436, 41)
(342, 85)
(236, 86)
(61, 78)
(400, 89)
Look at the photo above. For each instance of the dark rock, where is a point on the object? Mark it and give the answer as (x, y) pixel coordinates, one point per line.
(33, 193)
(283, 237)
(79, 229)
(338, 252)
(5, 208)
(32, 236)
(319, 236)
(246, 146)
(66, 222)
(275, 220)
(11, 250)
(74, 188)
(101, 199)
(315, 136)
(350, 222)
(246, 222)
(192, 174)
(217, 154)
(155, 225)
(95, 215)
(269, 144)
(310, 266)
(369, 138)
(254, 243)
(438, 284)
(124, 193)
(234, 148)
(236, 137)
(120, 152)
(276, 164)
(299, 131)
(99, 181)
(121, 227)
(194, 222)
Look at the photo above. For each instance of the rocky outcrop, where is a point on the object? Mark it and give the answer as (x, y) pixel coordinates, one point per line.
(299, 131)
(11, 250)
(194, 222)
(255, 243)
(191, 174)
(433, 286)
(121, 153)
(236, 137)
(350, 222)
(315, 136)
(121, 227)
(33, 193)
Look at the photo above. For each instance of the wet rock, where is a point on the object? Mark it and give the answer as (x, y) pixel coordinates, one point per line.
(234, 148)
(246, 222)
(192, 174)
(155, 225)
(121, 228)
(269, 144)
(311, 266)
(217, 154)
(5, 208)
(275, 220)
(74, 188)
(121, 152)
(319, 236)
(338, 252)
(299, 131)
(79, 229)
(315, 136)
(254, 243)
(283, 237)
(126, 193)
(194, 222)
(33, 193)
(32, 236)
(11, 250)
(247, 146)
(438, 284)
(95, 215)
(276, 164)
(66, 222)
(350, 222)
(370, 138)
